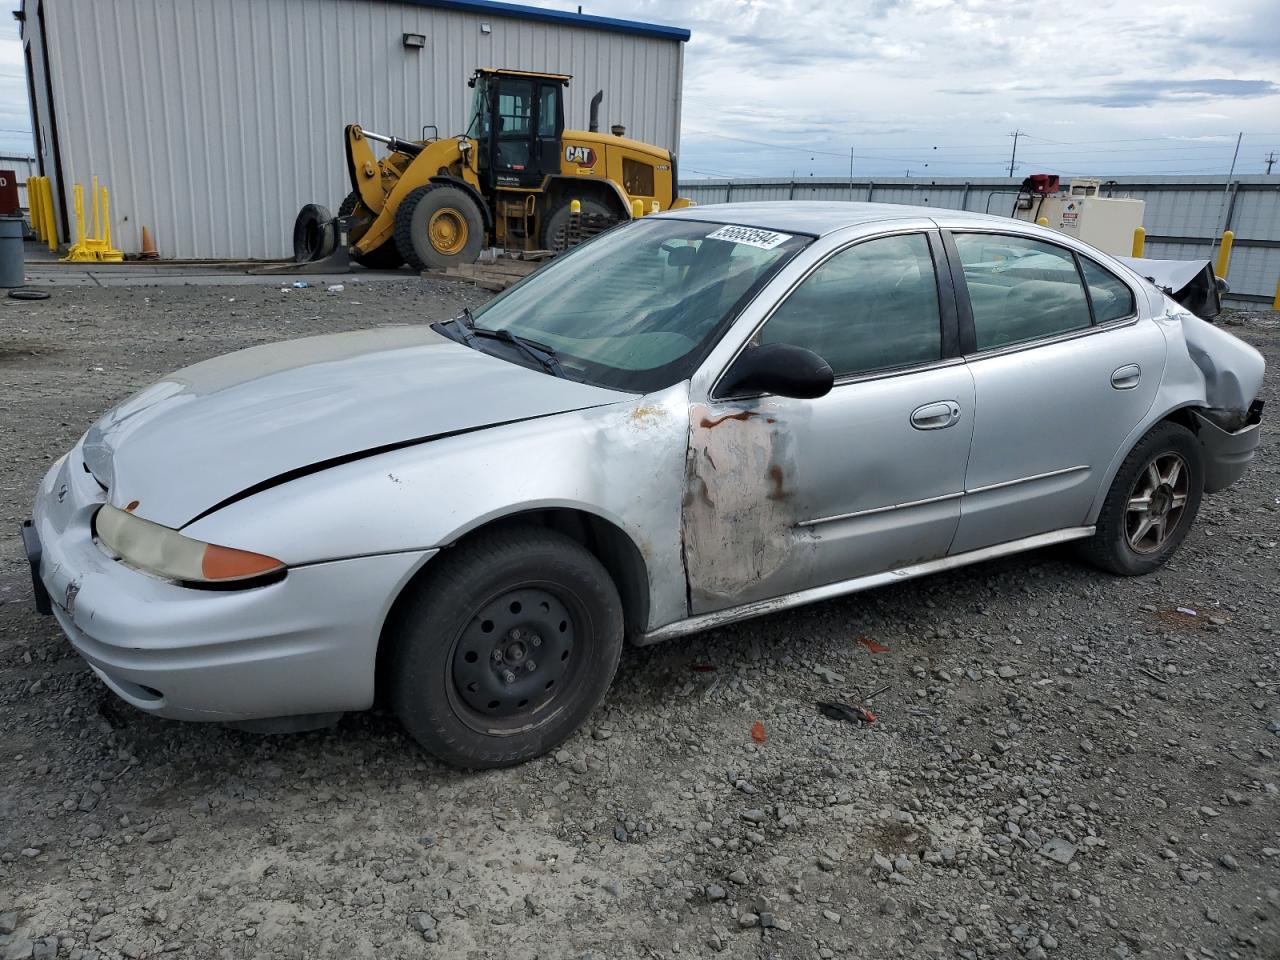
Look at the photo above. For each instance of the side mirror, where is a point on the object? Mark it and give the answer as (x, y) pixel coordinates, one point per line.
(778, 368)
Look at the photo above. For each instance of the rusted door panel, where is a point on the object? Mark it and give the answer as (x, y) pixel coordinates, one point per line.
(785, 494)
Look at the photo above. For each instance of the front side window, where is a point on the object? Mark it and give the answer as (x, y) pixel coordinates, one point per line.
(1020, 289)
(1111, 296)
(639, 306)
(871, 307)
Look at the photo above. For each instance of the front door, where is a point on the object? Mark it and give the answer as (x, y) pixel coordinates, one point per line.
(787, 494)
(1063, 370)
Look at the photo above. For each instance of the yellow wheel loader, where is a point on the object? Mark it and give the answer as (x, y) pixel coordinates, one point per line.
(509, 181)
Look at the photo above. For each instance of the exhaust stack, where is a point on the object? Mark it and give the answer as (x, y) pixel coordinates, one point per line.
(594, 126)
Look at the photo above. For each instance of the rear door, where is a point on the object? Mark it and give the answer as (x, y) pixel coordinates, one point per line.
(1063, 369)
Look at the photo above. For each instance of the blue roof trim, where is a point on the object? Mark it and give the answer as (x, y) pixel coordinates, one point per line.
(521, 12)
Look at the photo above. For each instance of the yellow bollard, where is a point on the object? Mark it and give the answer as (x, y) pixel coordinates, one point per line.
(46, 208)
(637, 209)
(1275, 304)
(106, 253)
(33, 205)
(1139, 241)
(1224, 255)
(97, 217)
(1043, 221)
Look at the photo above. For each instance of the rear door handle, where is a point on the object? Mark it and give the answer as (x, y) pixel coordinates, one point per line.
(935, 416)
(1126, 377)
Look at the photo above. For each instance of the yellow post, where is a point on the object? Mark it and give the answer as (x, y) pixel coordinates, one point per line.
(78, 193)
(1275, 304)
(637, 209)
(107, 253)
(33, 206)
(46, 208)
(97, 217)
(1043, 221)
(1224, 255)
(1139, 241)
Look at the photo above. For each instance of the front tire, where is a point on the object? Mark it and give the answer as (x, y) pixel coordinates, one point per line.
(506, 649)
(1151, 505)
(439, 226)
(555, 232)
(385, 257)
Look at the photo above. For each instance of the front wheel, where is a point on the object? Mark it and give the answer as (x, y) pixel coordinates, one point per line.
(506, 649)
(1152, 503)
(439, 226)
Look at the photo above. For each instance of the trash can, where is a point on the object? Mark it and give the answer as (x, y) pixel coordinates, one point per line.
(12, 265)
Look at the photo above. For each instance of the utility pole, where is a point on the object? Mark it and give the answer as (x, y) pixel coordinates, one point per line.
(851, 173)
(1270, 159)
(1014, 156)
(1226, 192)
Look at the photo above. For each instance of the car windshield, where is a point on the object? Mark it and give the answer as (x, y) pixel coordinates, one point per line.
(638, 307)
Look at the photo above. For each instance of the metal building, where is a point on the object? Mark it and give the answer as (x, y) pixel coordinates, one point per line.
(212, 121)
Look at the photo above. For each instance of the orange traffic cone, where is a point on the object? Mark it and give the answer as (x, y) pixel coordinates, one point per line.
(148, 247)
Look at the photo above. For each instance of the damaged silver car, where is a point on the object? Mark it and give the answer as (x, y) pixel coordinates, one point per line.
(691, 419)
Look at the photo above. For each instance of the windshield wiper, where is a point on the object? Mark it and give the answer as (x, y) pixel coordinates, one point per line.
(540, 353)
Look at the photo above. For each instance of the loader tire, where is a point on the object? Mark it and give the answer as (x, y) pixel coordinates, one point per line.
(314, 236)
(439, 226)
(385, 257)
(595, 216)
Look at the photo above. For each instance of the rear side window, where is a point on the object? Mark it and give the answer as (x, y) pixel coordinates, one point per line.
(871, 307)
(1020, 289)
(1111, 296)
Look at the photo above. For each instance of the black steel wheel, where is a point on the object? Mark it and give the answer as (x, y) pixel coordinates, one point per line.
(385, 257)
(1152, 503)
(505, 648)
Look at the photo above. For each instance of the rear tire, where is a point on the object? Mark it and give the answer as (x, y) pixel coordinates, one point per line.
(506, 649)
(1151, 505)
(385, 257)
(556, 227)
(439, 226)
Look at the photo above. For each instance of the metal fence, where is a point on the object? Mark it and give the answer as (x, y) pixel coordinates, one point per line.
(1183, 218)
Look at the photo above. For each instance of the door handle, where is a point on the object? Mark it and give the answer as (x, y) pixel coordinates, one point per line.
(935, 416)
(1126, 377)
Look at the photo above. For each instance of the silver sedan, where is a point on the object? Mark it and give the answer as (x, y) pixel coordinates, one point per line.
(691, 419)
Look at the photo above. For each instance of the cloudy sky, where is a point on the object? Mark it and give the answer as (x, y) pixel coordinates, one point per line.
(936, 87)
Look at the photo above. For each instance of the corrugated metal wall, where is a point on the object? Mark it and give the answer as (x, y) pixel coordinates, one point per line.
(1182, 214)
(213, 123)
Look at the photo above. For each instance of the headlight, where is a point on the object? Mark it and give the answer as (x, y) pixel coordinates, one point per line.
(167, 553)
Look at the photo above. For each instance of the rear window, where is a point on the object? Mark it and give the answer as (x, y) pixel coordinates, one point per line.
(1111, 296)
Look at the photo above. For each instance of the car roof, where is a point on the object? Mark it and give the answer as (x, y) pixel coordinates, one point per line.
(820, 217)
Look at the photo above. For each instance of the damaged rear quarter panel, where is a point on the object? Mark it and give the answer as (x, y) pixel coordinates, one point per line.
(624, 462)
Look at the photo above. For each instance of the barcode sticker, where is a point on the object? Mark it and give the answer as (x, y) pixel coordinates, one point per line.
(750, 236)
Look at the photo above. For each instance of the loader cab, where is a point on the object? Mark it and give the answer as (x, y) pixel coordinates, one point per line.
(517, 119)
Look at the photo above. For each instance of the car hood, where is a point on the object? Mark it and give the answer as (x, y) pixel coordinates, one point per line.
(254, 418)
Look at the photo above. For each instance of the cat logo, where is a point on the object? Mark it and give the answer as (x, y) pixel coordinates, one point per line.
(582, 156)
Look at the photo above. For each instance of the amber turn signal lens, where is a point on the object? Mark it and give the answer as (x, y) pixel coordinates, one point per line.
(224, 563)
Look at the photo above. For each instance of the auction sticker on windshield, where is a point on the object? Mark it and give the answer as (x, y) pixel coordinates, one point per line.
(750, 236)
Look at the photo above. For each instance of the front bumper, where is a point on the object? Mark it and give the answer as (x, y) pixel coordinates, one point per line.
(306, 644)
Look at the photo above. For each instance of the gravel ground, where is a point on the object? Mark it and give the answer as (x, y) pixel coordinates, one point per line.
(1063, 764)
